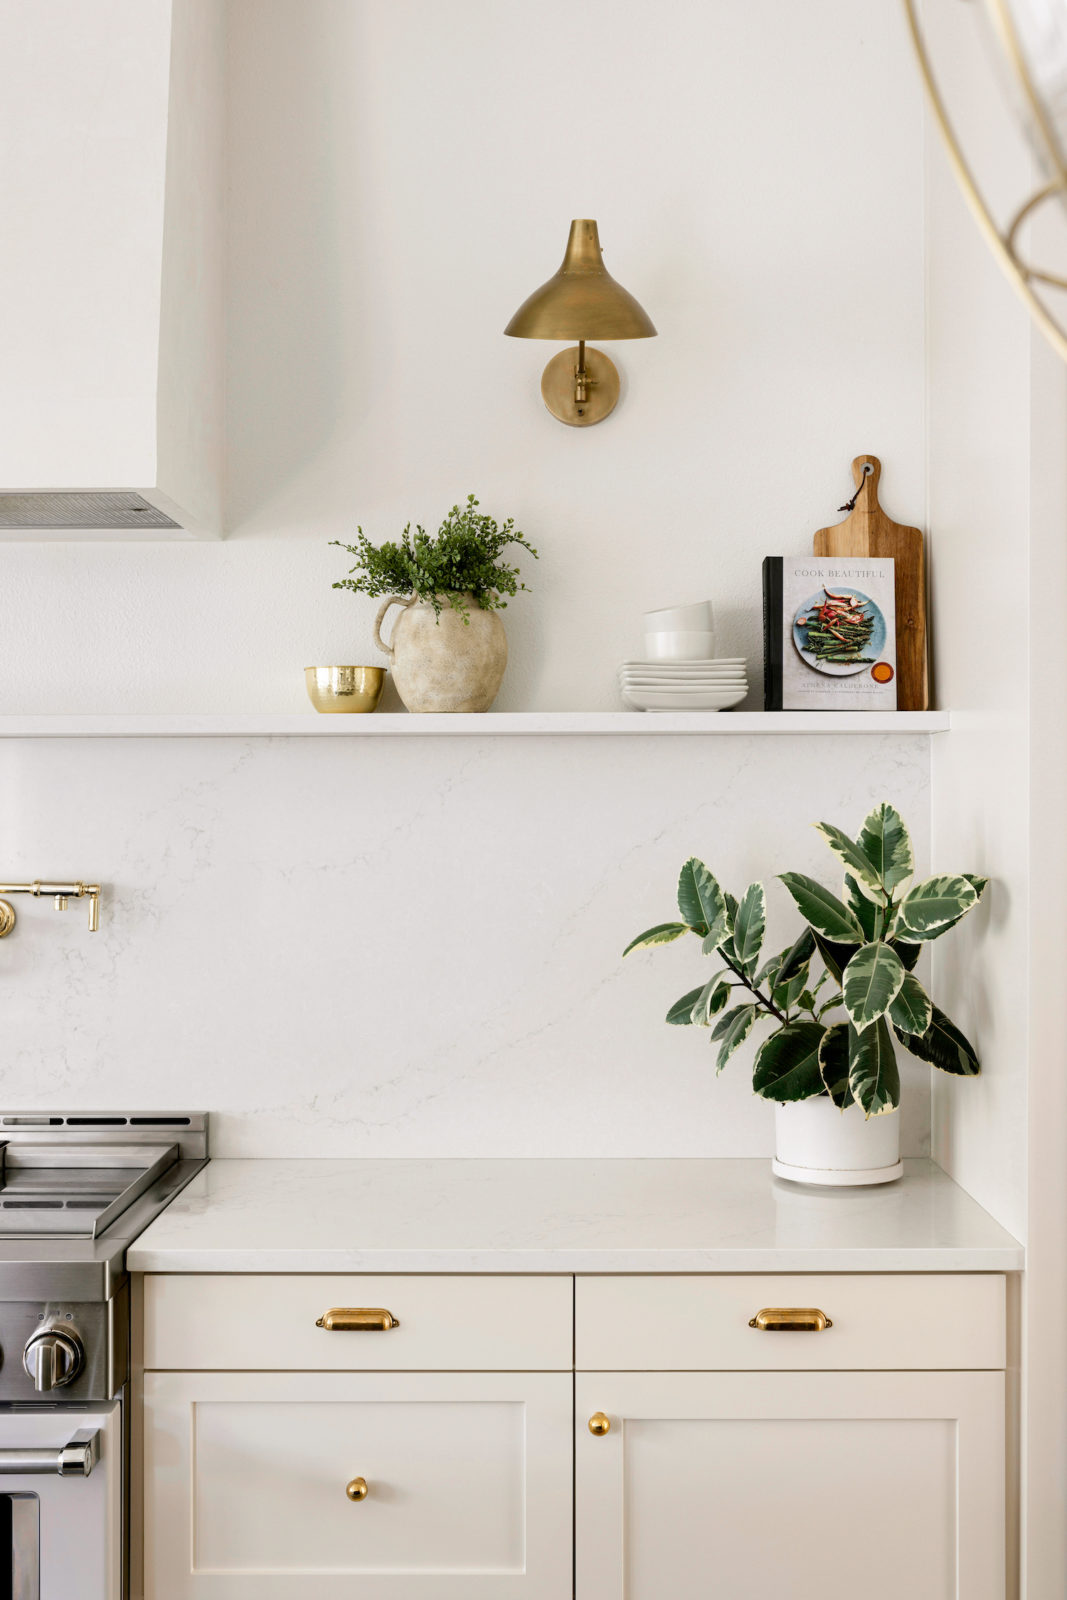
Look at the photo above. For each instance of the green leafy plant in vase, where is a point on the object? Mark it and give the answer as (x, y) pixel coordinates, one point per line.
(831, 1044)
(449, 649)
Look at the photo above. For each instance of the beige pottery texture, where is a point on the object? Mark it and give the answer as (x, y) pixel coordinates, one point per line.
(444, 664)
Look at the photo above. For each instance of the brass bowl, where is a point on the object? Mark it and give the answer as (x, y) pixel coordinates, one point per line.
(344, 688)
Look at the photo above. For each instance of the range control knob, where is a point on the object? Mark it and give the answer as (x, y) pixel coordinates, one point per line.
(53, 1357)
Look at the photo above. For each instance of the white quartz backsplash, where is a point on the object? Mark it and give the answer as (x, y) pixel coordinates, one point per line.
(409, 947)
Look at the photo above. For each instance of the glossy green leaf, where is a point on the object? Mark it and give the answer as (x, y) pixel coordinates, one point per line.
(786, 995)
(943, 1046)
(934, 903)
(871, 983)
(836, 957)
(850, 855)
(662, 933)
(787, 1064)
(872, 1069)
(770, 969)
(886, 843)
(750, 924)
(833, 1065)
(731, 1030)
(867, 913)
(701, 902)
(797, 957)
(710, 1000)
(911, 1011)
(979, 885)
(826, 913)
(681, 1013)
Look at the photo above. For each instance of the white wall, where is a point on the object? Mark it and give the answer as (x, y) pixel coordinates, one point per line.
(410, 947)
(980, 416)
(401, 175)
(997, 401)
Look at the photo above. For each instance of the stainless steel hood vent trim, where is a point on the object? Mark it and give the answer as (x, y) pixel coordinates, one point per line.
(102, 508)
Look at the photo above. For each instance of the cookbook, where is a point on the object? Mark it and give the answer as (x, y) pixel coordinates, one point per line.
(829, 634)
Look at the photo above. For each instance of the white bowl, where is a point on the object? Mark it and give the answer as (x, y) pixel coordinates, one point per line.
(680, 644)
(697, 616)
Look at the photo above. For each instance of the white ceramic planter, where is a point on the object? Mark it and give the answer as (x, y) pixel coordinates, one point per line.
(817, 1143)
(441, 663)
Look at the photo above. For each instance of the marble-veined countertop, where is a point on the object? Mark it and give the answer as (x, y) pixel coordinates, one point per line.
(564, 1216)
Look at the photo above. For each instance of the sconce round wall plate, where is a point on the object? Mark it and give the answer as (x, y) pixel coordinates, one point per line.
(557, 387)
(7, 918)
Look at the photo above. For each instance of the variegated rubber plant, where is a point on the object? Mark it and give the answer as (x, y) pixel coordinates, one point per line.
(868, 941)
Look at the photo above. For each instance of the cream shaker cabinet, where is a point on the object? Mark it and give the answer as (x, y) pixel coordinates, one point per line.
(810, 1465)
(421, 1437)
(353, 1467)
(811, 1485)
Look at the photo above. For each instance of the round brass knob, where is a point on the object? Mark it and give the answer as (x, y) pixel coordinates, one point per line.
(357, 1489)
(599, 1424)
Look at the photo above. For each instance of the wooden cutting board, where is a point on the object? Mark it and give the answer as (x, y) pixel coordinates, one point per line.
(867, 531)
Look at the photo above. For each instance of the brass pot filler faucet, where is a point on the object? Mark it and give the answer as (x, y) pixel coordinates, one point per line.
(61, 893)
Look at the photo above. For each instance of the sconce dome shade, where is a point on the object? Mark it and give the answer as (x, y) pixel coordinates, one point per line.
(582, 300)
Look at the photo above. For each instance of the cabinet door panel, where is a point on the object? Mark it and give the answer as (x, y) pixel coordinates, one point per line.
(468, 1486)
(819, 1486)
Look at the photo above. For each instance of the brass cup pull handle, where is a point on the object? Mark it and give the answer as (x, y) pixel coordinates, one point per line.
(357, 1319)
(357, 1489)
(790, 1319)
(599, 1424)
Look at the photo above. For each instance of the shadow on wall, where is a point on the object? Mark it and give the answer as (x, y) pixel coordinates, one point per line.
(297, 149)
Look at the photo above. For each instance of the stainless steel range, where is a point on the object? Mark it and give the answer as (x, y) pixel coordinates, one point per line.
(75, 1191)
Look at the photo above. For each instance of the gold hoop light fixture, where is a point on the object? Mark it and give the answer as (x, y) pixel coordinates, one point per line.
(1033, 43)
(581, 301)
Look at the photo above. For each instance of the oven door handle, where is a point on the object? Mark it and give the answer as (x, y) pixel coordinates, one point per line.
(76, 1459)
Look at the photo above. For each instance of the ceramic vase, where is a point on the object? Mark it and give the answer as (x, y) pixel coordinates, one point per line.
(817, 1143)
(444, 663)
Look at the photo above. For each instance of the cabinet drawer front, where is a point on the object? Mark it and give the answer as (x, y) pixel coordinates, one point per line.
(252, 1322)
(276, 1486)
(890, 1321)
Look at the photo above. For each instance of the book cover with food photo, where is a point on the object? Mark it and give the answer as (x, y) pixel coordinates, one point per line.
(829, 634)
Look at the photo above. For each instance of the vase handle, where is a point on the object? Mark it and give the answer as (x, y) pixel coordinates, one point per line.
(393, 600)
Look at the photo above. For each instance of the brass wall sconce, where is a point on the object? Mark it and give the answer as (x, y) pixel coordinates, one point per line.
(60, 893)
(581, 301)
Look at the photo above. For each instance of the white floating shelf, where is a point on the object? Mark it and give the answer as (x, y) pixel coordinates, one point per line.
(540, 723)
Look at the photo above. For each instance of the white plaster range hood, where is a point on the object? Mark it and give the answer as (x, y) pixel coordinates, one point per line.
(111, 115)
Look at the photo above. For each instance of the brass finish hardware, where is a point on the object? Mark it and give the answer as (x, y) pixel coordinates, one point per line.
(599, 1424)
(60, 894)
(357, 1319)
(580, 386)
(357, 1489)
(581, 301)
(790, 1319)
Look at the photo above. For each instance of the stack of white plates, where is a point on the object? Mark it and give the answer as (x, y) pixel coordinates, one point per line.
(684, 685)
